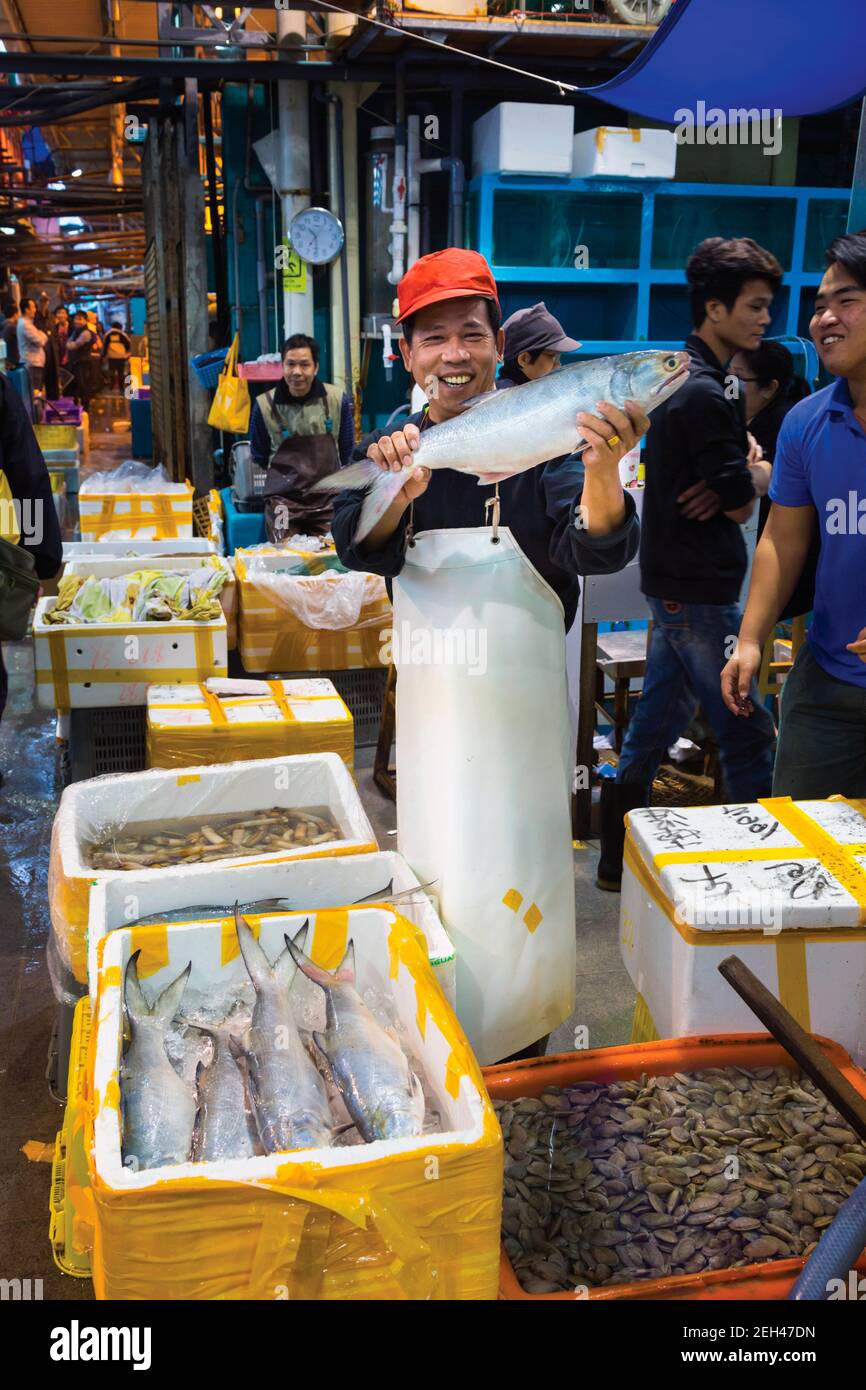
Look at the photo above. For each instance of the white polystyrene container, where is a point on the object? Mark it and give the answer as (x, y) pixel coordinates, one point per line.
(617, 152)
(523, 137)
(779, 884)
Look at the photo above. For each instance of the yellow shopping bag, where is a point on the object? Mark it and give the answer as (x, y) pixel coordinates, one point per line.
(231, 405)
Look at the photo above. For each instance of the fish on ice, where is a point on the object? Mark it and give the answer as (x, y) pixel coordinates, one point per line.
(288, 1095)
(225, 1126)
(502, 433)
(382, 1094)
(158, 1106)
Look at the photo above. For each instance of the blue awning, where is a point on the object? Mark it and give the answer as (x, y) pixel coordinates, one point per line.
(795, 56)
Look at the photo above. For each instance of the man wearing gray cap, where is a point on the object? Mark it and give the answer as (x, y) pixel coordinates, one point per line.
(534, 340)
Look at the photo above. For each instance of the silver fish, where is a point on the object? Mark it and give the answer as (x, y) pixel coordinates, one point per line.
(263, 905)
(159, 1107)
(225, 1127)
(289, 1098)
(382, 1093)
(501, 433)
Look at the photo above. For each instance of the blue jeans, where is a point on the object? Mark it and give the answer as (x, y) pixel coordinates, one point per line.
(822, 734)
(688, 648)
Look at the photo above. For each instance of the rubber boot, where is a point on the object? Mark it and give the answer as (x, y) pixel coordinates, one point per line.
(617, 799)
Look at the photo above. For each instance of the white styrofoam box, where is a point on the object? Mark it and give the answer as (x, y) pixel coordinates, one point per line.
(99, 665)
(109, 566)
(523, 137)
(231, 1228)
(307, 884)
(617, 152)
(701, 882)
(90, 810)
(141, 550)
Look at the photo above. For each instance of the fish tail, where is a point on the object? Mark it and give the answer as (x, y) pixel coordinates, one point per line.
(136, 1004)
(284, 967)
(344, 974)
(257, 963)
(356, 475)
(168, 1003)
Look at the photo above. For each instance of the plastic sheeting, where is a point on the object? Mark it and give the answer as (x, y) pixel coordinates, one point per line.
(226, 721)
(736, 53)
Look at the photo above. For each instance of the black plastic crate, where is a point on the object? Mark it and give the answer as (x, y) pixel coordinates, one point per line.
(107, 740)
(363, 690)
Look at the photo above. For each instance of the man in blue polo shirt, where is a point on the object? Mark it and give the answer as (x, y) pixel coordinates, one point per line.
(819, 478)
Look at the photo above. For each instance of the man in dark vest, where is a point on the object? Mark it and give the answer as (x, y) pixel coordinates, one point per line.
(301, 430)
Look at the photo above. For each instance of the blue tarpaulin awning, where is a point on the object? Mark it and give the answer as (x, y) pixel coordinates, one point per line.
(797, 57)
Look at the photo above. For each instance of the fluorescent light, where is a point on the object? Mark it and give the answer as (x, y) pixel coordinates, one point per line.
(7, 231)
(76, 173)
(57, 184)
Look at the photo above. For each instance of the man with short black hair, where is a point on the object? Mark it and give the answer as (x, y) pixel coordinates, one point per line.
(300, 431)
(818, 477)
(702, 479)
(31, 344)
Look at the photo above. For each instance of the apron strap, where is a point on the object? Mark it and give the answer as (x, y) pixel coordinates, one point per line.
(409, 538)
(492, 509)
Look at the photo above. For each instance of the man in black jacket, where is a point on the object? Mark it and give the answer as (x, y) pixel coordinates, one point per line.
(34, 522)
(453, 361)
(702, 480)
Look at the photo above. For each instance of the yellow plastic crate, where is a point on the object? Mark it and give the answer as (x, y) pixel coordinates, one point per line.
(70, 1228)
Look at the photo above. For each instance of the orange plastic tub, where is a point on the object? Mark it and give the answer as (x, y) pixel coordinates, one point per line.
(771, 1280)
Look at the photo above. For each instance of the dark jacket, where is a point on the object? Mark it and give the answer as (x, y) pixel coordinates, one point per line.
(697, 434)
(538, 506)
(22, 462)
(260, 444)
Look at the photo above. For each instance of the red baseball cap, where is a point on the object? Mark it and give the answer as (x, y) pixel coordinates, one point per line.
(450, 274)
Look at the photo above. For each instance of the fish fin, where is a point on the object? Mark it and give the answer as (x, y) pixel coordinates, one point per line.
(345, 971)
(471, 403)
(136, 1002)
(284, 967)
(237, 1049)
(419, 1104)
(320, 1040)
(349, 479)
(257, 963)
(307, 967)
(168, 1003)
(382, 493)
(378, 895)
(485, 479)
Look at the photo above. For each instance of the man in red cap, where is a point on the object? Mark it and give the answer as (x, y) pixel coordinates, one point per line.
(483, 764)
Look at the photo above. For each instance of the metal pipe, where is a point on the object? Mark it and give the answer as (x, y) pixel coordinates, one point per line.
(239, 313)
(398, 196)
(344, 260)
(414, 195)
(294, 165)
(261, 275)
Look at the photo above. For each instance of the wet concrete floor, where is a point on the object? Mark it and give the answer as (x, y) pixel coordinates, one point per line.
(28, 801)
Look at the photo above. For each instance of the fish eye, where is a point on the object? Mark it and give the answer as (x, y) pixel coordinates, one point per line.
(670, 363)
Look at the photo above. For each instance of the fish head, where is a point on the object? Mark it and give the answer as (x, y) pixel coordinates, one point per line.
(648, 377)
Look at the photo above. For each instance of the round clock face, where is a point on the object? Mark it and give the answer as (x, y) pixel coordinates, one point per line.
(317, 235)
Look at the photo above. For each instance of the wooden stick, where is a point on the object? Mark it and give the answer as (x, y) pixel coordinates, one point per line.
(797, 1042)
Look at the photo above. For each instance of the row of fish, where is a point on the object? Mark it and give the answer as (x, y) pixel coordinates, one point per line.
(191, 841)
(404, 897)
(264, 1089)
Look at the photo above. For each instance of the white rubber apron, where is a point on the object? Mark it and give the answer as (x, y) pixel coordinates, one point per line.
(483, 780)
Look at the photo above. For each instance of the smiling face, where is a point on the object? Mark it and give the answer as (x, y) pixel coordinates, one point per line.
(838, 325)
(452, 353)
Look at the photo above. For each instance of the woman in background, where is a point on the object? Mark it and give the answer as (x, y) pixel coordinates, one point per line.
(771, 388)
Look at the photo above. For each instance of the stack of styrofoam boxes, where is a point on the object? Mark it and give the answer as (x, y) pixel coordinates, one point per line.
(780, 884)
(524, 137)
(91, 811)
